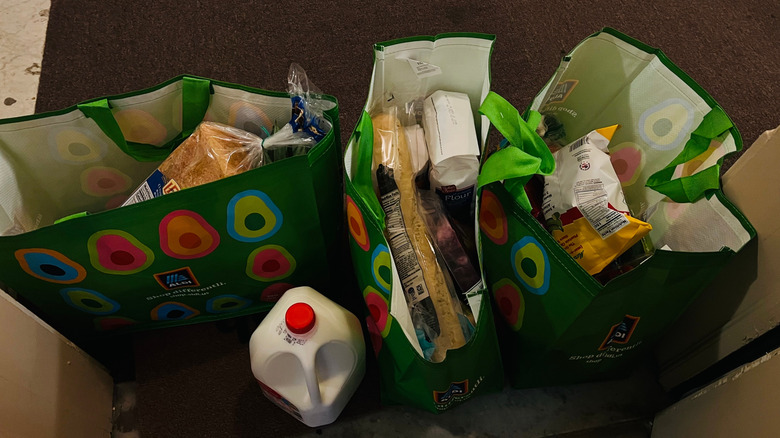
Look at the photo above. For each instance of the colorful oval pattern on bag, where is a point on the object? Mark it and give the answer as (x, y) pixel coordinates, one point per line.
(184, 234)
(270, 263)
(627, 160)
(492, 219)
(173, 311)
(100, 181)
(250, 118)
(531, 265)
(374, 335)
(357, 226)
(113, 322)
(117, 252)
(666, 125)
(673, 210)
(138, 126)
(89, 301)
(381, 268)
(378, 308)
(227, 303)
(75, 146)
(50, 265)
(116, 201)
(252, 216)
(272, 293)
(510, 302)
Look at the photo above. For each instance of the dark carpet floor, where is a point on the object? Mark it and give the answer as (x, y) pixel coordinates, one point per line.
(99, 48)
(108, 47)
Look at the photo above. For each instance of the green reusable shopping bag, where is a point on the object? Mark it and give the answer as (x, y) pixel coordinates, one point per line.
(223, 249)
(460, 62)
(560, 325)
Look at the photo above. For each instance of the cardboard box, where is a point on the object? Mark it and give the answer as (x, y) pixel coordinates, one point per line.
(741, 403)
(743, 302)
(48, 386)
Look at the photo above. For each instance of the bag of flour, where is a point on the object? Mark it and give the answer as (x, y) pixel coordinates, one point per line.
(453, 150)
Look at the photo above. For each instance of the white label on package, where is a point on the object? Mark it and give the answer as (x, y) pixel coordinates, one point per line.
(423, 69)
(592, 202)
(153, 187)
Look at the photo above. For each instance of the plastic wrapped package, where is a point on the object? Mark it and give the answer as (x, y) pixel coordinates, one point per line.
(584, 206)
(453, 149)
(307, 125)
(435, 310)
(415, 138)
(447, 244)
(212, 152)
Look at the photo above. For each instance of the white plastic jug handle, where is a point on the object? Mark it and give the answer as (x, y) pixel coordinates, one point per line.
(312, 383)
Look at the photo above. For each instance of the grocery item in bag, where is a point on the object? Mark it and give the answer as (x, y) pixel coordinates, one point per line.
(415, 136)
(307, 125)
(213, 151)
(453, 149)
(445, 239)
(415, 139)
(584, 206)
(433, 309)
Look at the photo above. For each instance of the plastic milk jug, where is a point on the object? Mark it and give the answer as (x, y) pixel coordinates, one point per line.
(308, 355)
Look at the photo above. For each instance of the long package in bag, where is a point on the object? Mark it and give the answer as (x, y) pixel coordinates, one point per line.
(214, 250)
(438, 348)
(562, 325)
(434, 309)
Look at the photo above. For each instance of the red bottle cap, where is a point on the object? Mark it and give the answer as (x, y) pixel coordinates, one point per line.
(299, 318)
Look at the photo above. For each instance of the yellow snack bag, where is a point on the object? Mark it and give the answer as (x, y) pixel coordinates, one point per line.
(584, 206)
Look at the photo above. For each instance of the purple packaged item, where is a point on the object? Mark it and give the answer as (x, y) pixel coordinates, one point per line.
(447, 244)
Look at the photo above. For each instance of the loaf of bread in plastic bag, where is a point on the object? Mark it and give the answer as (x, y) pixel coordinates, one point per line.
(213, 151)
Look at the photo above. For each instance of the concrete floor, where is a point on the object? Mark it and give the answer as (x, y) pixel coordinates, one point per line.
(617, 409)
(22, 35)
(622, 408)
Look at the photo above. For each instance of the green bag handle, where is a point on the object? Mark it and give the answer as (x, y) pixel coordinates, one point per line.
(196, 93)
(691, 188)
(364, 136)
(526, 154)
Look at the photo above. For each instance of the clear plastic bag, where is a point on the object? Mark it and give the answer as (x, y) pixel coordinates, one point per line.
(307, 125)
(213, 151)
(435, 310)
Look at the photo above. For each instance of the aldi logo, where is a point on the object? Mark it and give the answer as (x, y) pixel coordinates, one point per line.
(620, 333)
(177, 278)
(456, 390)
(562, 91)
